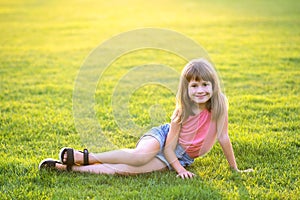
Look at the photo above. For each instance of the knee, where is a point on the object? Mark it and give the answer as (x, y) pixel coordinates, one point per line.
(139, 158)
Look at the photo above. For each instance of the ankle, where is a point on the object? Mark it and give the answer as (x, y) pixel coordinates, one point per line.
(93, 159)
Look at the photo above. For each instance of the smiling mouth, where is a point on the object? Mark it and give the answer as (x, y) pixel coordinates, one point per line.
(200, 96)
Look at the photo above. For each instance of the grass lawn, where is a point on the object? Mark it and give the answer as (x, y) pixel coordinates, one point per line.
(255, 46)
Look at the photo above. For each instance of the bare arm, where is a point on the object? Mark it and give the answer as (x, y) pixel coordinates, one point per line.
(226, 145)
(169, 150)
(170, 146)
(228, 150)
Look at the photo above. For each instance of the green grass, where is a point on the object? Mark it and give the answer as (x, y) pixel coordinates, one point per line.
(254, 44)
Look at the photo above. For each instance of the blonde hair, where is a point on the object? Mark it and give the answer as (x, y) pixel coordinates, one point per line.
(200, 69)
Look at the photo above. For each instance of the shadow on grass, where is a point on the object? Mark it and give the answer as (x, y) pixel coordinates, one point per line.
(155, 185)
(28, 182)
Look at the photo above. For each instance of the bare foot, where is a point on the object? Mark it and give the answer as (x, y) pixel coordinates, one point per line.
(78, 157)
(60, 166)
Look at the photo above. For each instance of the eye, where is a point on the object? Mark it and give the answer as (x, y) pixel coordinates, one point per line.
(205, 84)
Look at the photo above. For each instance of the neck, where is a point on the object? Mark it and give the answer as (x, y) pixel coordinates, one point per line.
(197, 108)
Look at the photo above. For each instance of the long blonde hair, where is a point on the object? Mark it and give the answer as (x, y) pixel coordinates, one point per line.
(200, 69)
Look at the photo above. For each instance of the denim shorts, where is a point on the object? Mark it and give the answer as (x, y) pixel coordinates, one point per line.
(161, 133)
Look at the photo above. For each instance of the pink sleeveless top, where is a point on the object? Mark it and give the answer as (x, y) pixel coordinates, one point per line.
(198, 134)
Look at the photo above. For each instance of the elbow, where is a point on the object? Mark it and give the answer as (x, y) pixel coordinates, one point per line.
(224, 138)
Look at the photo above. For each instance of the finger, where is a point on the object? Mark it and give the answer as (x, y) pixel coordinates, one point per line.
(189, 175)
(182, 176)
(192, 175)
(249, 170)
(246, 171)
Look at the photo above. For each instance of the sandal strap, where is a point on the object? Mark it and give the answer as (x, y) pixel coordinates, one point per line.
(48, 163)
(85, 157)
(70, 158)
(69, 168)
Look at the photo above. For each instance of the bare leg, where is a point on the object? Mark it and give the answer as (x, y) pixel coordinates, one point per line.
(145, 151)
(154, 165)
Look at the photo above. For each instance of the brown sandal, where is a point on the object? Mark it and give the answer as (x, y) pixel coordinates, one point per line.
(48, 164)
(70, 157)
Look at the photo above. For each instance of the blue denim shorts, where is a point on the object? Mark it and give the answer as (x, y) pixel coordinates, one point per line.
(161, 133)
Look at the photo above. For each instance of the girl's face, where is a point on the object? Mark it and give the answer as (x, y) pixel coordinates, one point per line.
(200, 92)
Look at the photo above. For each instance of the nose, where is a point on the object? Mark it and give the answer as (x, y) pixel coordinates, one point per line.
(200, 90)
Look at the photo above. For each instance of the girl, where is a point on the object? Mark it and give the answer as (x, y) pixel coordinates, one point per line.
(199, 118)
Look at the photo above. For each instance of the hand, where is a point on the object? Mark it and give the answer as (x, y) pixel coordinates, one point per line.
(185, 174)
(243, 171)
(246, 170)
